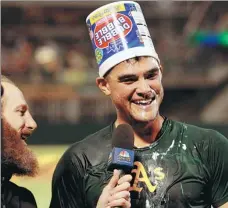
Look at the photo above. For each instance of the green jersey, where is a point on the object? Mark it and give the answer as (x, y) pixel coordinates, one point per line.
(186, 166)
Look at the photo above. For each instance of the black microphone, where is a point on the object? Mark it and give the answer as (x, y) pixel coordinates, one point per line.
(122, 155)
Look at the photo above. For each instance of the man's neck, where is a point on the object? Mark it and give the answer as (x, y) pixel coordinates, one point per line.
(145, 133)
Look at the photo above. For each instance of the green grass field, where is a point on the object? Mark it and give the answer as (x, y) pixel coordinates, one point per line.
(40, 186)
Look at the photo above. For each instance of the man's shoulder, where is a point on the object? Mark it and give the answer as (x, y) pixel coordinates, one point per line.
(197, 132)
(93, 149)
(24, 194)
(98, 140)
(15, 188)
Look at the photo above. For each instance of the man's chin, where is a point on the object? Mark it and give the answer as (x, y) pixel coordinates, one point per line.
(143, 117)
(29, 166)
(26, 165)
(16, 156)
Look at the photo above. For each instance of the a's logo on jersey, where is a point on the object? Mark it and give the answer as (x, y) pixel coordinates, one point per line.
(124, 156)
(142, 177)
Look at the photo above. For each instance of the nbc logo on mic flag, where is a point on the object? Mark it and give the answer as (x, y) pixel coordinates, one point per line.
(124, 156)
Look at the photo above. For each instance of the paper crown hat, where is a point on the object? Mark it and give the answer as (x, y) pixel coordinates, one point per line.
(118, 32)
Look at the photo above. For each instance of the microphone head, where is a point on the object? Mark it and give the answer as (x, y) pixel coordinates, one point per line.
(122, 155)
(123, 137)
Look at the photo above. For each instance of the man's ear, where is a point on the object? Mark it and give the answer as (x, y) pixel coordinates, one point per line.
(103, 85)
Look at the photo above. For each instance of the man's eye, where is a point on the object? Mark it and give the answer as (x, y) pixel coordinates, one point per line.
(151, 76)
(22, 113)
(130, 81)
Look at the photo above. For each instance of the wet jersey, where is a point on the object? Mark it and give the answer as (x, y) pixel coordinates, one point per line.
(186, 166)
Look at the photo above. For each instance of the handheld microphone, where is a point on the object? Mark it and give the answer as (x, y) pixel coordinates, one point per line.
(122, 155)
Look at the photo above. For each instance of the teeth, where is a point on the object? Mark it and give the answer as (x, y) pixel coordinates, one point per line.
(143, 102)
(24, 137)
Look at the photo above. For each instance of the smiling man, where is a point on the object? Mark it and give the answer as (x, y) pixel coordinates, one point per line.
(16, 158)
(176, 165)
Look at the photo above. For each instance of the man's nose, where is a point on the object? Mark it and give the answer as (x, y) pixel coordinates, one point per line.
(143, 87)
(30, 123)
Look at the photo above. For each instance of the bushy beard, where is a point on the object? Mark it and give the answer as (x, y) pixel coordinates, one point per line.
(15, 155)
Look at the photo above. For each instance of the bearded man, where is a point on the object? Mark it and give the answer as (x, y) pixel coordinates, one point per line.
(16, 158)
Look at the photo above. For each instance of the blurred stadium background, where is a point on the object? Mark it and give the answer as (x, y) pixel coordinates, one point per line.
(46, 50)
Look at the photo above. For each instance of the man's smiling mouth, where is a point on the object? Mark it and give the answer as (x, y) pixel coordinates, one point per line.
(144, 102)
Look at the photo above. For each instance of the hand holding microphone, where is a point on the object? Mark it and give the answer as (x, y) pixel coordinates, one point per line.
(121, 161)
(116, 193)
